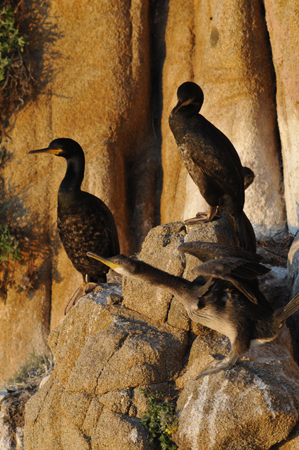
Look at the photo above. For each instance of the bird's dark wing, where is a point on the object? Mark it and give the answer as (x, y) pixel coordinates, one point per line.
(242, 274)
(251, 291)
(222, 292)
(217, 157)
(87, 225)
(206, 251)
(230, 267)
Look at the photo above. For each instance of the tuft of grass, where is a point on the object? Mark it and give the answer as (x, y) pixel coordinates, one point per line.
(9, 245)
(160, 420)
(35, 367)
(16, 81)
(11, 43)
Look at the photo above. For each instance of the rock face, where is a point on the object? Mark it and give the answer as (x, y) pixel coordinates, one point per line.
(254, 405)
(93, 397)
(105, 351)
(282, 21)
(106, 75)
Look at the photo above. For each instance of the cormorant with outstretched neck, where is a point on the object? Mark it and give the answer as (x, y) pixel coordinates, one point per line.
(83, 220)
(215, 304)
(211, 160)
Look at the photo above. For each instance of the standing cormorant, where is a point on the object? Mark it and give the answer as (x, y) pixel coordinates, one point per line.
(211, 160)
(215, 304)
(83, 220)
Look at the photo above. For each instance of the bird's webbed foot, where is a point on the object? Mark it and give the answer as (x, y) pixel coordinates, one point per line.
(82, 290)
(216, 366)
(204, 217)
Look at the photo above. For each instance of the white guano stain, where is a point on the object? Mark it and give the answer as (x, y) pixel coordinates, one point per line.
(265, 392)
(220, 403)
(188, 401)
(133, 436)
(257, 407)
(192, 419)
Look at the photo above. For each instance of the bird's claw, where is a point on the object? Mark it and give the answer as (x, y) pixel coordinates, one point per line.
(217, 366)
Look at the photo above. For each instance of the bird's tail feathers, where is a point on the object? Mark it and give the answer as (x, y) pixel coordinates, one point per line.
(245, 232)
(289, 309)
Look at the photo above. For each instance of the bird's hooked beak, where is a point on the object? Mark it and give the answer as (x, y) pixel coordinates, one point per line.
(108, 263)
(179, 105)
(53, 151)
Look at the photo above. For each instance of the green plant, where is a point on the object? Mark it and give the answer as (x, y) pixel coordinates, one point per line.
(160, 420)
(16, 80)
(11, 43)
(35, 367)
(9, 245)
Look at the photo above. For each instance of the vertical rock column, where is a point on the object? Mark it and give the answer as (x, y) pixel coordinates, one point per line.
(283, 22)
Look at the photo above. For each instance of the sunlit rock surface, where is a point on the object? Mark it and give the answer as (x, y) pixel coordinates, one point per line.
(105, 352)
(106, 75)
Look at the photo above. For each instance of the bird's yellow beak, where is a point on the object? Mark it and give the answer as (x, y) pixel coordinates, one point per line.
(179, 105)
(53, 151)
(108, 263)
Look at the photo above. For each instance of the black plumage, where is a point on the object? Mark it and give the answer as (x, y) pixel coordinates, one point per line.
(230, 263)
(215, 303)
(248, 176)
(205, 251)
(84, 221)
(211, 160)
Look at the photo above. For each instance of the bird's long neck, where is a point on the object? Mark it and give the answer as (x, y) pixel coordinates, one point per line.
(156, 277)
(181, 122)
(73, 178)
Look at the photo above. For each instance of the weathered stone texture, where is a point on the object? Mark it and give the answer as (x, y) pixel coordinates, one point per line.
(254, 405)
(103, 354)
(159, 250)
(283, 22)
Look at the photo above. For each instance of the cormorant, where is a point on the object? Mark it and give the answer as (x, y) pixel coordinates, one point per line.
(83, 220)
(215, 304)
(211, 160)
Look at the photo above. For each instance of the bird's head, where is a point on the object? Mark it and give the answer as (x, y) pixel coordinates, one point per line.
(188, 94)
(120, 263)
(67, 148)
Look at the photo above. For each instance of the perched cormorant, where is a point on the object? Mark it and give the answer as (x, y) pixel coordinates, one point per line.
(215, 304)
(83, 220)
(211, 160)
